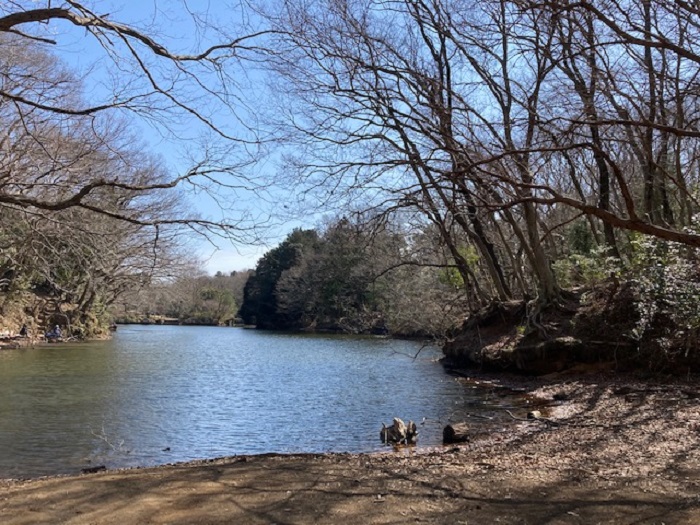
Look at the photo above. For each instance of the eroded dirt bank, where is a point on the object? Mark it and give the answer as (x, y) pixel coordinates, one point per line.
(612, 450)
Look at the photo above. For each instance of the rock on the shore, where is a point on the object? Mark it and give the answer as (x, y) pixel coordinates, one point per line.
(457, 433)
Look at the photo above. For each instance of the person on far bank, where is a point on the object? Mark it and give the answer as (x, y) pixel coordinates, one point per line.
(54, 334)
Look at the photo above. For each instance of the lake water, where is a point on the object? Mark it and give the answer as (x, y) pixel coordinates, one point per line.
(160, 394)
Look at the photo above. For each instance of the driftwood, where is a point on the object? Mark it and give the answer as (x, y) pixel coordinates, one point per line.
(399, 433)
(457, 433)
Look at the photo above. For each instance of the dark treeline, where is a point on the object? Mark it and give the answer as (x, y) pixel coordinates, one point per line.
(355, 278)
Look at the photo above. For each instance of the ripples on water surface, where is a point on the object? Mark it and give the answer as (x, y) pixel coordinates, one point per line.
(158, 394)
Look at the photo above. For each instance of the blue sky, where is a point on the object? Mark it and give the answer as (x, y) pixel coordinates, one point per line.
(170, 23)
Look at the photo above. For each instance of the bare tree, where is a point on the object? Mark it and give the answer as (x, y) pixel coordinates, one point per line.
(422, 104)
(633, 67)
(170, 91)
(500, 121)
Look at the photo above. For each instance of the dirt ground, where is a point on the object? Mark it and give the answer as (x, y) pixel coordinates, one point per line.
(609, 450)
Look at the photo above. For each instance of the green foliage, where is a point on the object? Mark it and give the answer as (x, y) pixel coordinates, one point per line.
(586, 264)
(580, 238)
(585, 270)
(208, 294)
(667, 280)
(451, 276)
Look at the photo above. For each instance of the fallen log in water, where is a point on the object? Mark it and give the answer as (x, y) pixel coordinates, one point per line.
(457, 433)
